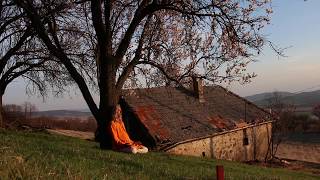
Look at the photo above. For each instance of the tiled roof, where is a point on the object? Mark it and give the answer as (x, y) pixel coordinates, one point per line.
(172, 114)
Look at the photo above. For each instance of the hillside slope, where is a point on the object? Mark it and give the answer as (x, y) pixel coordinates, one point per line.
(27, 155)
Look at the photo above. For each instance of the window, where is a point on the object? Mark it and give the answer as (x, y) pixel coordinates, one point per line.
(203, 154)
(245, 141)
(245, 137)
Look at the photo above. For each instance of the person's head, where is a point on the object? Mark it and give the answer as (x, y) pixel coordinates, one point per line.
(118, 112)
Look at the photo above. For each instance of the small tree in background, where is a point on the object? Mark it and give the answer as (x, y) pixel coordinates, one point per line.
(283, 114)
(316, 110)
(18, 115)
(13, 115)
(28, 109)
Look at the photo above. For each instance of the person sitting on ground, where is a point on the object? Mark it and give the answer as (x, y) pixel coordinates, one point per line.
(121, 140)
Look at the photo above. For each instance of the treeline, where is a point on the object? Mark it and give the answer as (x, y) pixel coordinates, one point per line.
(302, 123)
(22, 116)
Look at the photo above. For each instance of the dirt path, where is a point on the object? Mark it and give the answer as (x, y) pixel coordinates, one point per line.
(71, 133)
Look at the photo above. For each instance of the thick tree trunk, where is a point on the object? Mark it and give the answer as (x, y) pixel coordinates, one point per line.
(109, 98)
(106, 114)
(103, 135)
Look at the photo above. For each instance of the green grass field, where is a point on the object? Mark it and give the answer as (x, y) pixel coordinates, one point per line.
(31, 155)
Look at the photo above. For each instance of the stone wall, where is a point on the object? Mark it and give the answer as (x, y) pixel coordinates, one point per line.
(243, 144)
(299, 151)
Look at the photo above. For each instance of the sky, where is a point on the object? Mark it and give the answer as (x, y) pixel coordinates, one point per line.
(294, 24)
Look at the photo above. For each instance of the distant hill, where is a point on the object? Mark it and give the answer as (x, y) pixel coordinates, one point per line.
(62, 113)
(304, 99)
(301, 100)
(267, 95)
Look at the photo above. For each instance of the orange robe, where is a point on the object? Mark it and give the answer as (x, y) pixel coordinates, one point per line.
(121, 138)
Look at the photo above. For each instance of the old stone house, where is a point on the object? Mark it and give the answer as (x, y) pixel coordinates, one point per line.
(207, 121)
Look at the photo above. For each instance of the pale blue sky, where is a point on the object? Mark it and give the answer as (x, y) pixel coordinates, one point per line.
(295, 23)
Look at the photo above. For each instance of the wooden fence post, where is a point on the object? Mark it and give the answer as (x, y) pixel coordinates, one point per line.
(220, 172)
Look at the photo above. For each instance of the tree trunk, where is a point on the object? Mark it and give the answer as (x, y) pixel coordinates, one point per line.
(106, 114)
(109, 98)
(103, 135)
(1, 111)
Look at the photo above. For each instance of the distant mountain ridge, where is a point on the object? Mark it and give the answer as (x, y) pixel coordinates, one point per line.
(303, 99)
(267, 95)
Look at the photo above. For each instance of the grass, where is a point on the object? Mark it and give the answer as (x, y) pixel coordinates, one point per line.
(31, 155)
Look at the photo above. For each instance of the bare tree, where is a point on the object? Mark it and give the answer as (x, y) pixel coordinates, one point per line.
(24, 56)
(283, 113)
(18, 115)
(28, 109)
(13, 115)
(16, 44)
(131, 39)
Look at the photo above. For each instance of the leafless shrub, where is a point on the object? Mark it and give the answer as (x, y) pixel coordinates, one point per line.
(283, 115)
